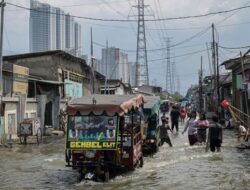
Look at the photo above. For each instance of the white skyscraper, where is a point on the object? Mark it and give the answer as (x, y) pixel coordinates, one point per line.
(115, 64)
(42, 27)
(51, 29)
(70, 32)
(60, 29)
(132, 73)
(78, 38)
(123, 67)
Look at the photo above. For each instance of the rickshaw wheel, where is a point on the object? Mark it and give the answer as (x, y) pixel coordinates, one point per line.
(23, 139)
(39, 136)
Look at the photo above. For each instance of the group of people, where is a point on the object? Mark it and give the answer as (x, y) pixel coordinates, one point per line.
(197, 129)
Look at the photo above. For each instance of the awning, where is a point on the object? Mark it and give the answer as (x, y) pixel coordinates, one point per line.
(109, 104)
(46, 81)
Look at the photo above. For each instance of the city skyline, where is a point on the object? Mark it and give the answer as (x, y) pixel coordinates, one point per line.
(191, 37)
(50, 29)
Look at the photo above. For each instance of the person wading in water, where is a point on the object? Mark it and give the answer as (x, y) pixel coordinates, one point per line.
(202, 125)
(215, 134)
(164, 132)
(175, 114)
(191, 125)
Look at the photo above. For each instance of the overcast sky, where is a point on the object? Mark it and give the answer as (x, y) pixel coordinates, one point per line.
(232, 30)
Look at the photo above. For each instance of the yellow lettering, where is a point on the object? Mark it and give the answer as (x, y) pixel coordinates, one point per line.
(98, 145)
(88, 145)
(105, 144)
(95, 145)
(78, 144)
(112, 145)
(72, 144)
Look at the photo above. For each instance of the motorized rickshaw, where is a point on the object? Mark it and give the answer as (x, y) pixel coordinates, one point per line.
(151, 113)
(29, 127)
(104, 135)
(165, 106)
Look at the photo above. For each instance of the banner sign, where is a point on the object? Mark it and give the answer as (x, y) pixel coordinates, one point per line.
(20, 79)
(92, 132)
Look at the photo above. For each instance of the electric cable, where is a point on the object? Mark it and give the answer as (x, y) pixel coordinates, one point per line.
(130, 20)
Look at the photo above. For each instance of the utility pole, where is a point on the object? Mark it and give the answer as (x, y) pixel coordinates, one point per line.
(169, 82)
(244, 79)
(214, 67)
(106, 66)
(218, 74)
(92, 66)
(201, 89)
(173, 73)
(178, 84)
(142, 76)
(2, 4)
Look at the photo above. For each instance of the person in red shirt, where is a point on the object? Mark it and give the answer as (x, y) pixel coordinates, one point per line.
(183, 114)
(202, 125)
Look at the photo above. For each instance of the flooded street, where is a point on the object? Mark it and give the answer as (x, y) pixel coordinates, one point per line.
(180, 167)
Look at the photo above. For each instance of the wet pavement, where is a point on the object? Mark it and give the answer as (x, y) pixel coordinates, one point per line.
(180, 167)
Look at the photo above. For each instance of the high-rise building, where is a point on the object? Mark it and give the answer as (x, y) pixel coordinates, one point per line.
(51, 29)
(123, 67)
(114, 64)
(78, 38)
(132, 73)
(70, 32)
(42, 27)
(60, 29)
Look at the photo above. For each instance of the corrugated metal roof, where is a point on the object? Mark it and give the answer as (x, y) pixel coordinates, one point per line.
(98, 104)
(101, 99)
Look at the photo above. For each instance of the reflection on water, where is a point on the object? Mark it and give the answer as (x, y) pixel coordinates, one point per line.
(180, 167)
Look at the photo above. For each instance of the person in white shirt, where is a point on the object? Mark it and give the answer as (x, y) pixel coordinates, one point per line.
(191, 125)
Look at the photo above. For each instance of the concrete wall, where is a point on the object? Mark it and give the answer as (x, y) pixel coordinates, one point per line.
(120, 90)
(11, 116)
(38, 66)
(31, 108)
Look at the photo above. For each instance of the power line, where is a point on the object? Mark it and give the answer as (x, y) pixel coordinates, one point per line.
(150, 50)
(111, 7)
(135, 20)
(92, 3)
(182, 55)
(242, 47)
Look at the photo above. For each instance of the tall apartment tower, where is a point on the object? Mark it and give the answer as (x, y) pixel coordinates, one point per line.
(132, 73)
(60, 29)
(70, 32)
(51, 28)
(42, 27)
(115, 64)
(78, 38)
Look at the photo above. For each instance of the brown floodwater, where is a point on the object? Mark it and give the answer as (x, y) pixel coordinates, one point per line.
(180, 167)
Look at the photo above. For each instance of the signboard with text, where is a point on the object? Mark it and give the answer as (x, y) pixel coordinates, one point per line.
(92, 132)
(20, 79)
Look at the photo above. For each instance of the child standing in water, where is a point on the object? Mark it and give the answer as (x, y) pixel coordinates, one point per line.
(164, 132)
